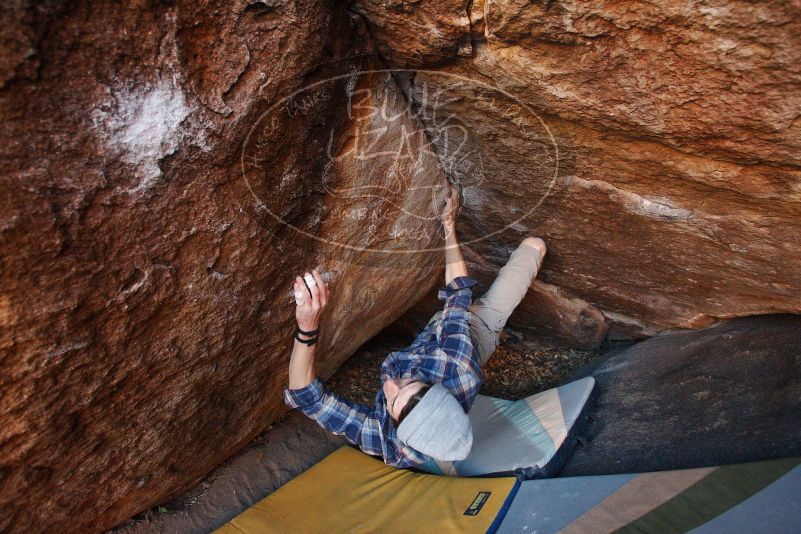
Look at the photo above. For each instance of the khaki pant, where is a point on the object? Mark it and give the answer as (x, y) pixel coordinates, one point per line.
(492, 310)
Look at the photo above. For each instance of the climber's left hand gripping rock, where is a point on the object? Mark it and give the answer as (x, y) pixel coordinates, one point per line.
(311, 297)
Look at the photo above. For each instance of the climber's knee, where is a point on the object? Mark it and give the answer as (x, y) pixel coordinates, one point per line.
(536, 243)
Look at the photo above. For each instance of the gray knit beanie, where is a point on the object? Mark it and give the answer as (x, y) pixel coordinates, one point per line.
(438, 426)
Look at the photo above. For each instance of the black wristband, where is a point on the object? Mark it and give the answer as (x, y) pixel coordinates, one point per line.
(310, 333)
(310, 342)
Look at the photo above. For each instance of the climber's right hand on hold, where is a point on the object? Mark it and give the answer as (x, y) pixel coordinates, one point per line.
(311, 297)
(451, 209)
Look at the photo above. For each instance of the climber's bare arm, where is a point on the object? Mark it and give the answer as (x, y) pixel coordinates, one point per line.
(307, 313)
(454, 262)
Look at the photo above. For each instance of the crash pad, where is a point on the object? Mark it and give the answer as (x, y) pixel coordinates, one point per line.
(349, 491)
(528, 438)
(753, 497)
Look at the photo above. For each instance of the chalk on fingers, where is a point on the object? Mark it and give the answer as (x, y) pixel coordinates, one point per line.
(299, 298)
(310, 281)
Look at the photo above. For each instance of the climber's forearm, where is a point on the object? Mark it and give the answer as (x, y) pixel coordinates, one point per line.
(311, 297)
(454, 262)
(301, 365)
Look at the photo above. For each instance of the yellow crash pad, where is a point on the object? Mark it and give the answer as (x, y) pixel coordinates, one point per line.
(351, 492)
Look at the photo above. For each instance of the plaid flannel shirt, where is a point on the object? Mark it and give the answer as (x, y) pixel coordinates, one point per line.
(442, 353)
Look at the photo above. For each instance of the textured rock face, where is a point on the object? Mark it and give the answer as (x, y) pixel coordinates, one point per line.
(722, 395)
(147, 156)
(417, 34)
(676, 198)
(160, 191)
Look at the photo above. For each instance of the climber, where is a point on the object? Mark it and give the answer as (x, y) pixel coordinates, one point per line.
(427, 388)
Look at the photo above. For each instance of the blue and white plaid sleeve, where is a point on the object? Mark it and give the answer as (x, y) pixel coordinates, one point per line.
(453, 334)
(337, 415)
(458, 293)
(461, 373)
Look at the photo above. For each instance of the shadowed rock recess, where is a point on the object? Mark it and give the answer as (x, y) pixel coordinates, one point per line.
(170, 166)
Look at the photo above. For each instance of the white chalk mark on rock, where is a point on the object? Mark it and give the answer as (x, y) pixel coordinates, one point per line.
(151, 131)
(146, 127)
(657, 208)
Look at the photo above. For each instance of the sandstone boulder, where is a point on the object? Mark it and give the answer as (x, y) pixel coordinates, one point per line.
(169, 167)
(161, 190)
(659, 143)
(726, 394)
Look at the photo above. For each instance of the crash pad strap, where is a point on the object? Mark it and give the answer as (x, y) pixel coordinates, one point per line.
(351, 492)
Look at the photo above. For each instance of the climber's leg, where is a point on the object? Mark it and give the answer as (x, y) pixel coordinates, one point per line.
(492, 310)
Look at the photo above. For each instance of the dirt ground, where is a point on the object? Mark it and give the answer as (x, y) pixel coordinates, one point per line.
(292, 445)
(517, 369)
